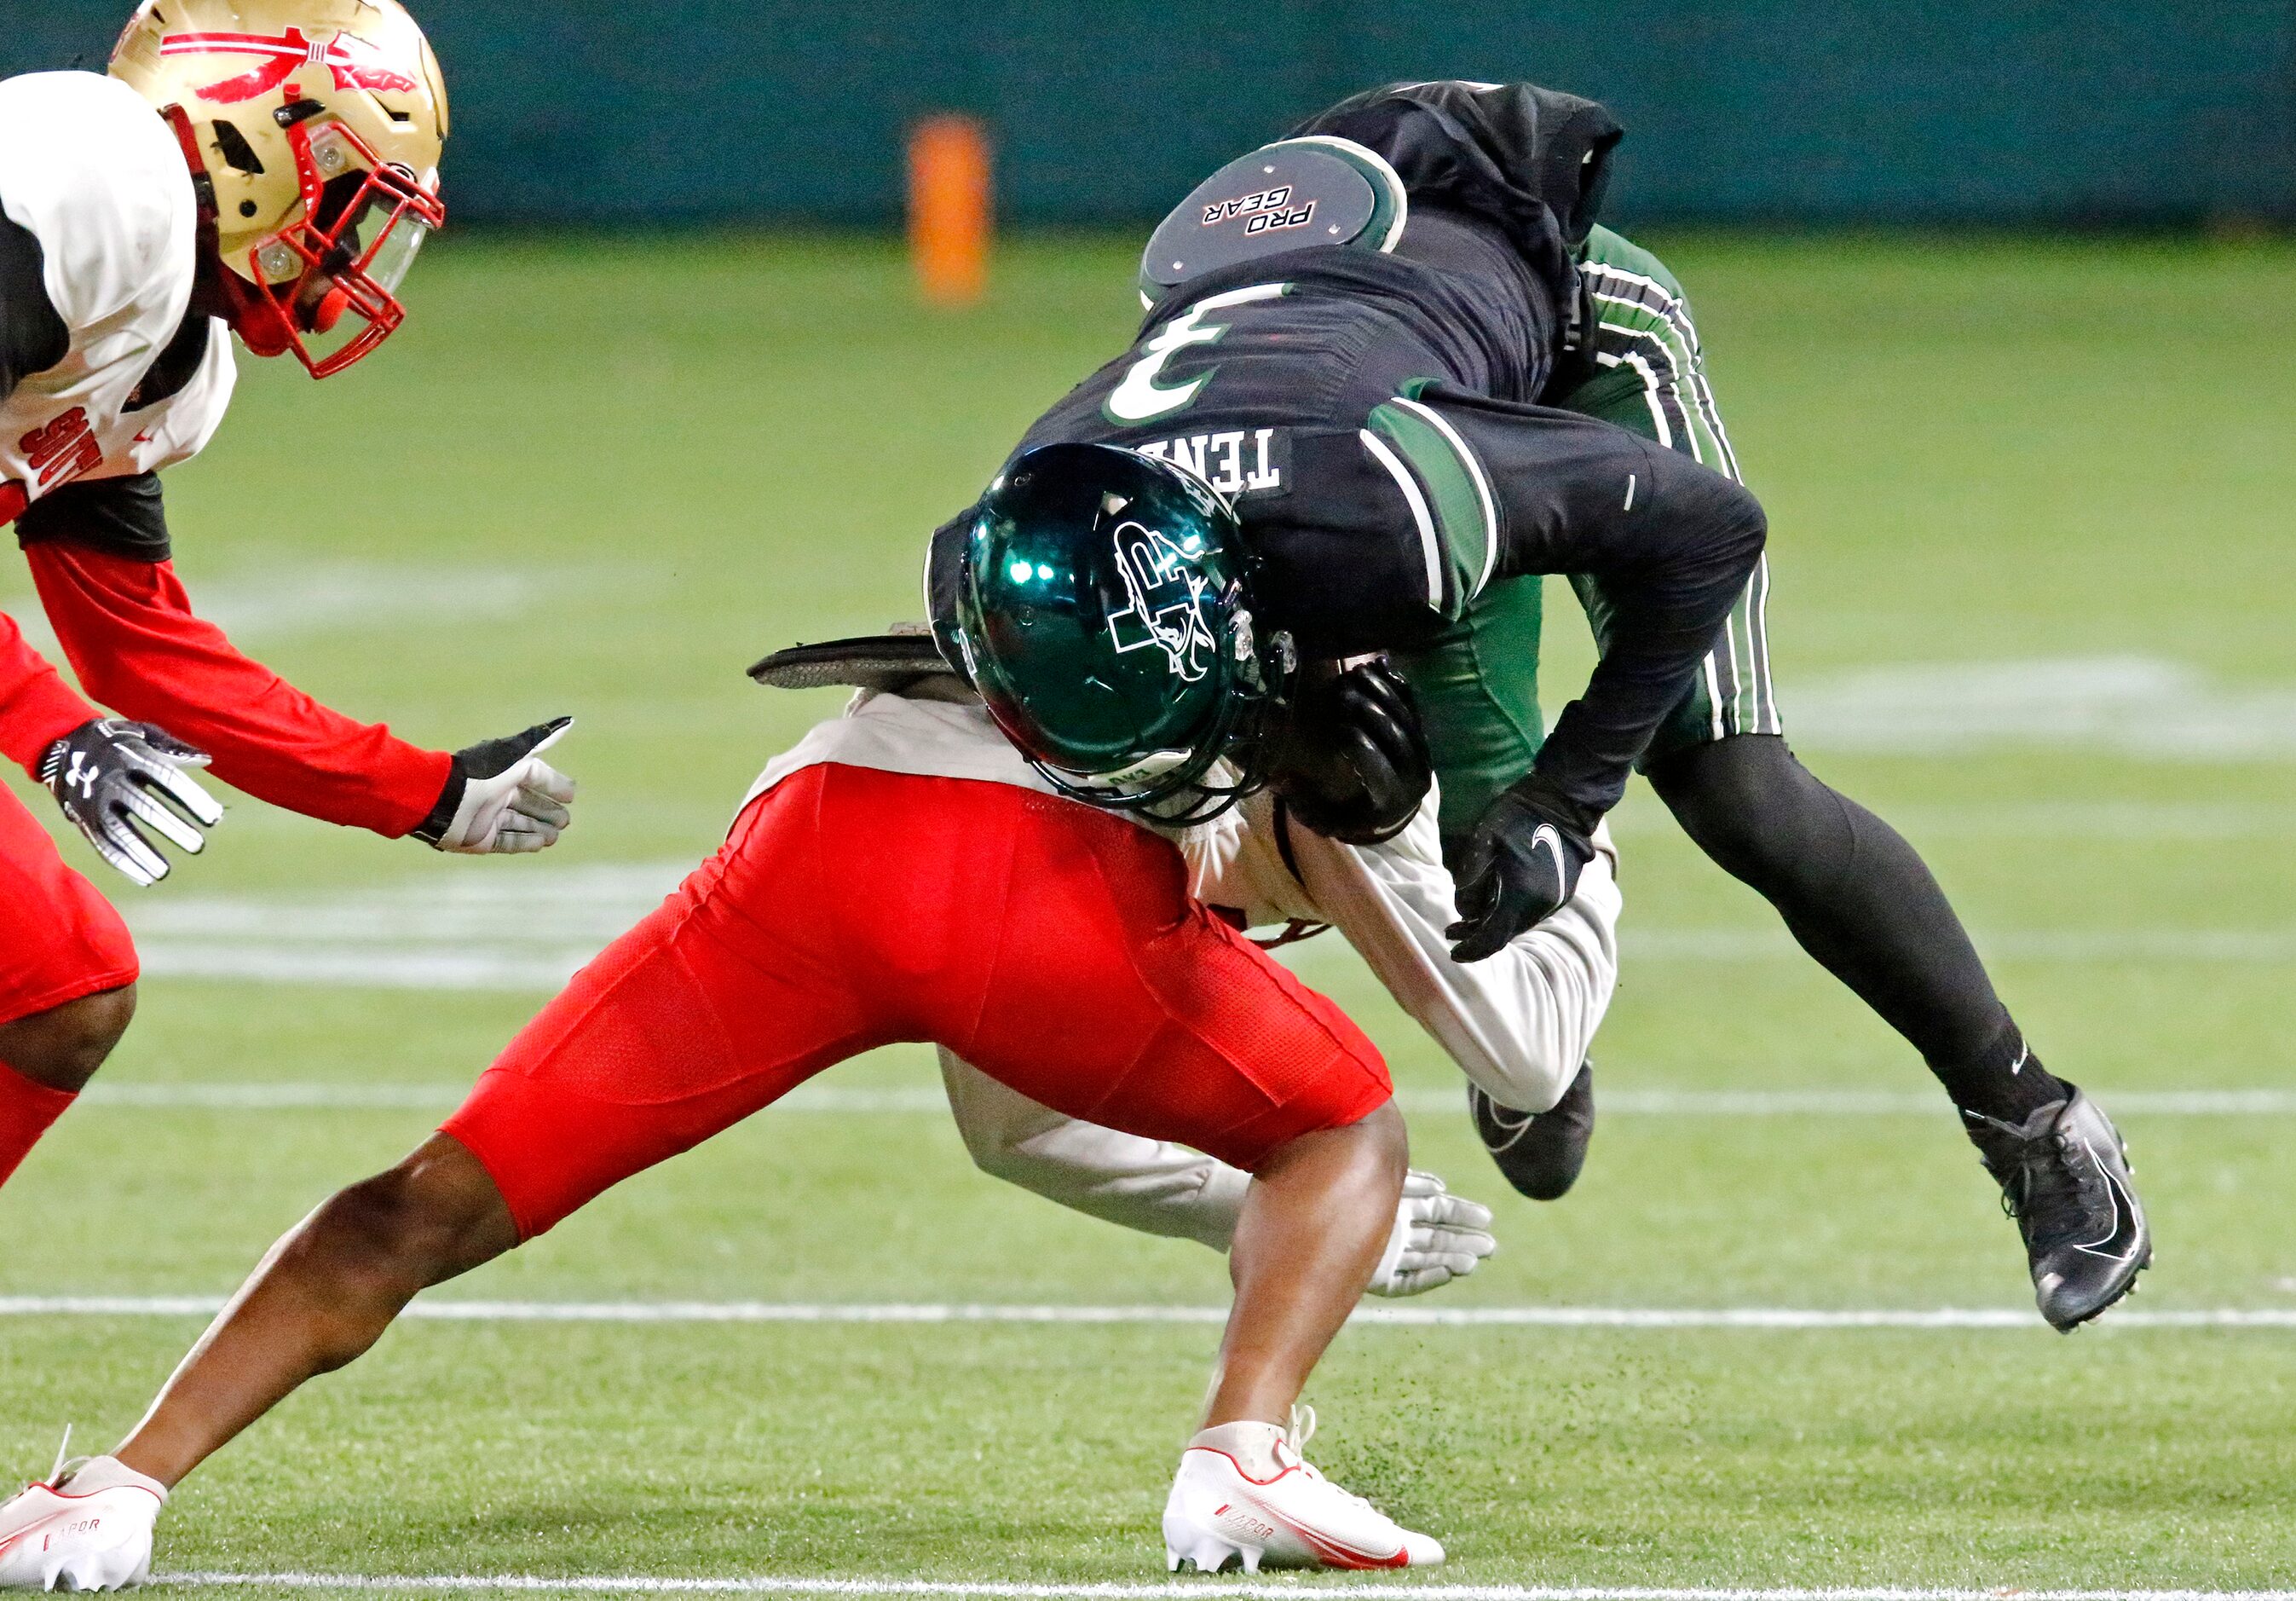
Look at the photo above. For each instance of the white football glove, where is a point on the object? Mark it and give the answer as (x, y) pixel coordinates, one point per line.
(109, 775)
(501, 796)
(1439, 1237)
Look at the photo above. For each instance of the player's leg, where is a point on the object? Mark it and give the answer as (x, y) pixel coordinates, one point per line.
(1112, 997)
(321, 1296)
(714, 1006)
(1853, 892)
(324, 1294)
(67, 982)
(1316, 1217)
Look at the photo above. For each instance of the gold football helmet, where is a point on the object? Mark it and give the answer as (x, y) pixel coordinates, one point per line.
(312, 129)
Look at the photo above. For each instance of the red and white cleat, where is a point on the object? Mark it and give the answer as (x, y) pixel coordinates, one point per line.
(1243, 1494)
(88, 1529)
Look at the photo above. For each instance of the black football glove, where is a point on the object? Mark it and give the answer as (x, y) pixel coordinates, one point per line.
(1355, 766)
(1519, 867)
(109, 775)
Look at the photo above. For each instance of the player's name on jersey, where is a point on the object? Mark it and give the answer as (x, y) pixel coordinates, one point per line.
(1235, 462)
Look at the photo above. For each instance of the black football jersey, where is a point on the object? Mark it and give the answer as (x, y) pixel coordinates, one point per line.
(1371, 418)
(1259, 379)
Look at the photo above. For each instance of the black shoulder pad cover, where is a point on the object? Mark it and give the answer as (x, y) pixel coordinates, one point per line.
(1318, 190)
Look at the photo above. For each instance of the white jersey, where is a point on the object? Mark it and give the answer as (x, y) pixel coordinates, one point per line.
(91, 171)
(1518, 1024)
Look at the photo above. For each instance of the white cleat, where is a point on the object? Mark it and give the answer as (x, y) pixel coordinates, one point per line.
(88, 1530)
(1245, 1495)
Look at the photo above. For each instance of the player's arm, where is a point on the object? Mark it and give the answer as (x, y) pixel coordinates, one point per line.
(33, 336)
(1151, 1185)
(1672, 543)
(1518, 1025)
(98, 555)
(1157, 1187)
(36, 707)
(121, 785)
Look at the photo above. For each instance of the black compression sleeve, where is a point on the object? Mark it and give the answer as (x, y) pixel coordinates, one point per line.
(120, 516)
(33, 337)
(1673, 543)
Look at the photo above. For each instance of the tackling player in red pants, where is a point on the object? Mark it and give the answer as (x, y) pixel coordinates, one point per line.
(1051, 945)
(904, 876)
(259, 168)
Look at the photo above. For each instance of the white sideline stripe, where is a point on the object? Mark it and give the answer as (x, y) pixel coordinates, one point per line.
(1757, 1318)
(994, 1591)
(830, 1098)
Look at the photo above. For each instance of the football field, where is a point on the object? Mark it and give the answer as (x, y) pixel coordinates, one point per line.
(2034, 581)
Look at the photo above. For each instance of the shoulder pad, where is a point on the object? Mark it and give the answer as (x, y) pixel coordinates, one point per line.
(1314, 190)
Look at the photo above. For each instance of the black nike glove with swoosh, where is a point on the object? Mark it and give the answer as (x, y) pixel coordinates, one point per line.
(1519, 868)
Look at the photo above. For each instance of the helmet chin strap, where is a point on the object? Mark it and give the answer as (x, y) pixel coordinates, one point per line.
(179, 123)
(257, 318)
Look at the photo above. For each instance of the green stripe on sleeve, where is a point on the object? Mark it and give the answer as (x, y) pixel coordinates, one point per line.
(1462, 516)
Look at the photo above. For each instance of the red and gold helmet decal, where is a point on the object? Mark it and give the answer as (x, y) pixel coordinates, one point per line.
(355, 63)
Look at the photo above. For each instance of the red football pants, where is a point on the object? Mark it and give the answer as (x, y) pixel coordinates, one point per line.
(1052, 946)
(59, 939)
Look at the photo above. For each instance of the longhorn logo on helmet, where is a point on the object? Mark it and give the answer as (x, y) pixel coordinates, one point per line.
(1166, 594)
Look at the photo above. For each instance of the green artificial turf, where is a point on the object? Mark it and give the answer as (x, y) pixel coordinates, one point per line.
(601, 477)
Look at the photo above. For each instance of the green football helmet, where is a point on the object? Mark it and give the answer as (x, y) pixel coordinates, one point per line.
(1099, 599)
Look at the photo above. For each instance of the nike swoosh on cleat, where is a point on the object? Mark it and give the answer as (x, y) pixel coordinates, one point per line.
(2123, 1214)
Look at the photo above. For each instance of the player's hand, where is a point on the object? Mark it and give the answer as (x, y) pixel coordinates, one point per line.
(109, 775)
(1355, 765)
(1521, 867)
(503, 797)
(1439, 1237)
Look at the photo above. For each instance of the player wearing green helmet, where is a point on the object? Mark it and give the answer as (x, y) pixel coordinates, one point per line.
(1099, 605)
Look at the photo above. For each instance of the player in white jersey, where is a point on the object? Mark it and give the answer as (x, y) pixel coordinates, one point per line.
(1517, 1025)
(258, 169)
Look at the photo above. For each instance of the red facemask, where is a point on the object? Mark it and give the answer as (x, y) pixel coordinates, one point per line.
(358, 238)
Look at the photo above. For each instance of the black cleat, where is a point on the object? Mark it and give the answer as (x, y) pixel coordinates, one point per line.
(2064, 1176)
(1540, 1152)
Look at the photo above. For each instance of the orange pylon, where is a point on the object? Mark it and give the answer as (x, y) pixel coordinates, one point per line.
(951, 209)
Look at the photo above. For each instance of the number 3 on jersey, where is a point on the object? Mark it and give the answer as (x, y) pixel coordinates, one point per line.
(1140, 398)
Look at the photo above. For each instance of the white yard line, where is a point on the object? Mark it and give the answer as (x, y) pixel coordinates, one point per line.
(260, 1097)
(2151, 708)
(1755, 1318)
(525, 930)
(535, 963)
(994, 1591)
